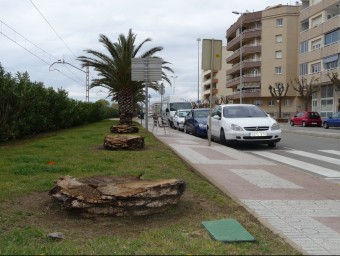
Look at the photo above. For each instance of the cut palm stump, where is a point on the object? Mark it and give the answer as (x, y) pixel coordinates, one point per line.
(115, 142)
(124, 128)
(117, 196)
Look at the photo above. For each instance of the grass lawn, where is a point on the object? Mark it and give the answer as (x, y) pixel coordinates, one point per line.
(29, 167)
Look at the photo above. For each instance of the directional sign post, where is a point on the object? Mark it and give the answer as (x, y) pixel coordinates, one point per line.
(146, 69)
(211, 60)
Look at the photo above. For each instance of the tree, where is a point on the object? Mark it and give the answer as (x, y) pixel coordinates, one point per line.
(278, 92)
(114, 71)
(305, 89)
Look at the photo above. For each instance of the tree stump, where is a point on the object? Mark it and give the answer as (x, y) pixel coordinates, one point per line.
(124, 128)
(114, 142)
(117, 196)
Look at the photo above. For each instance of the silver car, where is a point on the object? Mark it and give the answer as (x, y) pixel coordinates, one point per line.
(179, 118)
(234, 123)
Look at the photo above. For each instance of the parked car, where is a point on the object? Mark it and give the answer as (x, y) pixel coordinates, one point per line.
(332, 121)
(243, 123)
(196, 122)
(179, 118)
(306, 118)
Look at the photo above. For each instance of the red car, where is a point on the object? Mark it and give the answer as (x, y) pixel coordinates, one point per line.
(306, 118)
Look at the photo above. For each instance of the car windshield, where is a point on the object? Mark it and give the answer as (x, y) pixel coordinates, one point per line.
(183, 114)
(180, 105)
(313, 115)
(243, 112)
(201, 113)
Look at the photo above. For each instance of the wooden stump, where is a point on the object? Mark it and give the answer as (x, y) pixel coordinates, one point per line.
(117, 196)
(124, 128)
(114, 142)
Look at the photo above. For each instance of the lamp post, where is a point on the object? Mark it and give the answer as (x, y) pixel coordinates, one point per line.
(149, 103)
(174, 77)
(161, 91)
(241, 60)
(198, 69)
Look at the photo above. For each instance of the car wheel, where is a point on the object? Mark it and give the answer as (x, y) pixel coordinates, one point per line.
(185, 129)
(272, 144)
(291, 123)
(178, 127)
(222, 137)
(304, 124)
(325, 125)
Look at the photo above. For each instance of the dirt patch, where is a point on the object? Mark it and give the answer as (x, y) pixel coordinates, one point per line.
(39, 210)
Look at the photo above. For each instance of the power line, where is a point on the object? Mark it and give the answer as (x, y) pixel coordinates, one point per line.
(53, 29)
(14, 39)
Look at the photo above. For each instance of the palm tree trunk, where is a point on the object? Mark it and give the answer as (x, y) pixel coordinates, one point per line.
(125, 102)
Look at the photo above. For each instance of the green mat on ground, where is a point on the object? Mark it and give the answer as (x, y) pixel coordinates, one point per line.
(228, 230)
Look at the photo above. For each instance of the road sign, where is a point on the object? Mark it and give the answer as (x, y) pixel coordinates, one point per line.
(149, 69)
(211, 54)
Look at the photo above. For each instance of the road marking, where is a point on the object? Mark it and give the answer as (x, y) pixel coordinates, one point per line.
(300, 164)
(335, 152)
(264, 179)
(316, 156)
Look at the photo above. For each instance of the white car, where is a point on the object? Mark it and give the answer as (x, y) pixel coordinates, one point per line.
(233, 123)
(179, 118)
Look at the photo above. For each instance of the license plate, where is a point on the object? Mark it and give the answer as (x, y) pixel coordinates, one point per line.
(313, 123)
(255, 134)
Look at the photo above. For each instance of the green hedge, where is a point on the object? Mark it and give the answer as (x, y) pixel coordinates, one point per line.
(28, 108)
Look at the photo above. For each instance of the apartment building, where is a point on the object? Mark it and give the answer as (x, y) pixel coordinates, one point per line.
(264, 46)
(218, 80)
(319, 48)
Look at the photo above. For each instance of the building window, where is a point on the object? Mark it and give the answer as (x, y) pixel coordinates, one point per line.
(332, 37)
(304, 47)
(288, 102)
(316, 68)
(278, 55)
(278, 70)
(258, 102)
(316, 44)
(278, 38)
(316, 21)
(279, 22)
(303, 69)
(331, 62)
(271, 102)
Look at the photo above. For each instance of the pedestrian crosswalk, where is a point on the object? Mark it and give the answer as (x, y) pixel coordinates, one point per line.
(325, 156)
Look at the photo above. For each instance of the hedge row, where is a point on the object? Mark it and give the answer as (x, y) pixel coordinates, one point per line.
(28, 108)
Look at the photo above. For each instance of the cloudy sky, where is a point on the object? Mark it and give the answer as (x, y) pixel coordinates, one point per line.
(35, 34)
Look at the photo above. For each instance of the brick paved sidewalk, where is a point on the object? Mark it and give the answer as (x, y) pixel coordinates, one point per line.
(302, 208)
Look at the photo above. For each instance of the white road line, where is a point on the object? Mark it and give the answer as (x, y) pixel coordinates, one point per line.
(316, 156)
(300, 164)
(335, 152)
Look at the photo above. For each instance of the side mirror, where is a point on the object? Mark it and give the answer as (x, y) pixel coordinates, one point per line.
(216, 117)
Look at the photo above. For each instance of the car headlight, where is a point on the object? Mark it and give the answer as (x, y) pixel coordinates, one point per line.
(236, 127)
(181, 122)
(202, 125)
(275, 126)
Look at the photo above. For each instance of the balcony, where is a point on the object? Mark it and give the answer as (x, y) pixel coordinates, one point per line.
(250, 63)
(253, 93)
(245, 79)
(246, 49)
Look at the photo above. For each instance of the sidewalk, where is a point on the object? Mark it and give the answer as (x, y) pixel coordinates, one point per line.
(303, 209)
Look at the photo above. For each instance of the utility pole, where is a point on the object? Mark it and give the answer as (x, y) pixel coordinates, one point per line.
(87, 79)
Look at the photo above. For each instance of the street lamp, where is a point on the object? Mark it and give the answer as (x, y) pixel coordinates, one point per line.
(198, 69)
(241, 37)
(174, 77)
(149, 110)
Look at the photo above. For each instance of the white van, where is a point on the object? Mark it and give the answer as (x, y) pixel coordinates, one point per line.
(171, 104)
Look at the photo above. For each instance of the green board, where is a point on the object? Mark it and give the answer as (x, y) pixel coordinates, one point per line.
(228, 230)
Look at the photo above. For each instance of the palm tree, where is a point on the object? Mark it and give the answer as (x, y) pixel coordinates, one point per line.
(114, 71)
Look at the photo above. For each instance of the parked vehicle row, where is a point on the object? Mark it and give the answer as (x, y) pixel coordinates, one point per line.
(311, 118)
(232, 123)
(244, 123)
